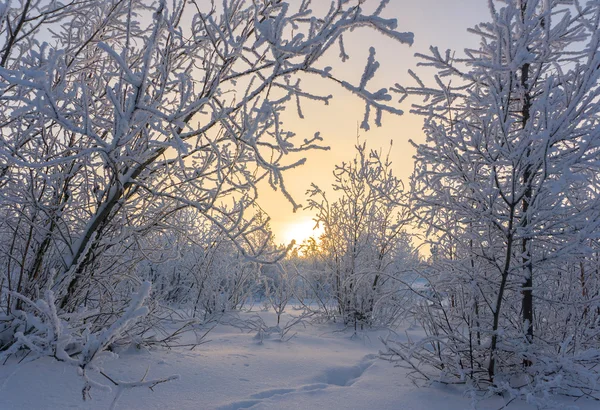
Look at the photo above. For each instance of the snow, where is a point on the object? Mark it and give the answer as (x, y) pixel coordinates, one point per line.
(322, 367)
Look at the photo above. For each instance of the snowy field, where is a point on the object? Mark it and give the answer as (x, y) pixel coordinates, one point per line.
(321, 367)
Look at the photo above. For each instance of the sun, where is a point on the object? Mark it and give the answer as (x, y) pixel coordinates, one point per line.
(300, 230)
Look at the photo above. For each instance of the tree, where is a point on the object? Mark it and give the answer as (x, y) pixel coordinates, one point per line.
(505, 185)
(363, 235)
(117, 116)
(198, 267)
(137, 112)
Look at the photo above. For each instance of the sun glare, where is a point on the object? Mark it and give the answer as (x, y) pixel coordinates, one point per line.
(300, 230)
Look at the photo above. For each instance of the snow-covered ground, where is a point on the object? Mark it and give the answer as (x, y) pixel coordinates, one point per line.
(322, 367)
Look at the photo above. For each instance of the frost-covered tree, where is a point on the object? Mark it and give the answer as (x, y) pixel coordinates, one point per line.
(116, 116)
(507, 186)
(197, 267)
(364, 242)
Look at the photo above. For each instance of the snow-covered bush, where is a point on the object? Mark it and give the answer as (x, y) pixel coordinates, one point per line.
(364, 250)
(74, 339)
(198, 268)
(506, 185)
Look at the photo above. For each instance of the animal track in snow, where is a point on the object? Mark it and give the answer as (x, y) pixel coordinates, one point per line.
(267, 394)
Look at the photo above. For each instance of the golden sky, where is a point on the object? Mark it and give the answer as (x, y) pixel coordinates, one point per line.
(442, 23)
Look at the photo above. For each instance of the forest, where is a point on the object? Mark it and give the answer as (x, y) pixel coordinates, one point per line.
(137, 135)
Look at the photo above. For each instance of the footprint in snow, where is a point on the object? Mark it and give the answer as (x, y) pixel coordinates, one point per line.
(342, 376)
(346, 375)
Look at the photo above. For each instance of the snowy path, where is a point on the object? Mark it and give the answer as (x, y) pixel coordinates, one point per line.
(318, 369)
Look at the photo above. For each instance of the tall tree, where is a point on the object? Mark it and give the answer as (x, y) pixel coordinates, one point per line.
(505, 186)
(121, 121)
(137, 111)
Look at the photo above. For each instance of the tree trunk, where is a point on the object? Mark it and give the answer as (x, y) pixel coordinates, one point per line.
(527, 301)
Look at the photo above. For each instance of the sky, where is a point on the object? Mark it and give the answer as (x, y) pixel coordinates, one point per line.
(442, 23)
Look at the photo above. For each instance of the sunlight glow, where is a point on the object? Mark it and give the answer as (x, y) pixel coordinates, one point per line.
(300, 230)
